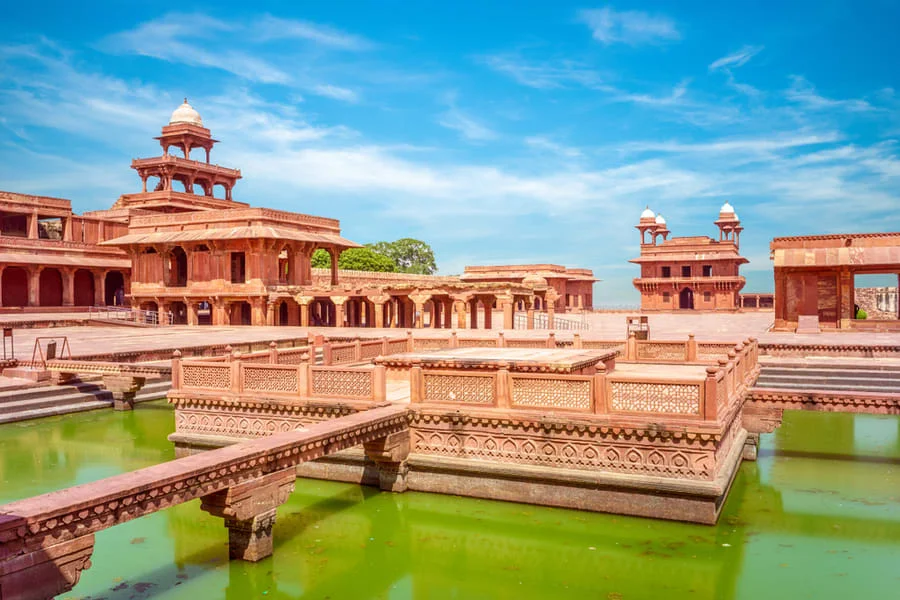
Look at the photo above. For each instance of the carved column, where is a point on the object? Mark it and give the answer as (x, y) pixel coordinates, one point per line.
(270, 313)
(488, 302)
(100, 288)
(389, 455)
(459, 305)
(418, 316)
(379, 302)
(507, 303)
(304, 302)
(249, 513)
(33, 226)
(448, 314)
(193, 312)
(334, 265)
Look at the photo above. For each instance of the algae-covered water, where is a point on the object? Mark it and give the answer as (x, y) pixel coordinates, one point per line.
(818, 516)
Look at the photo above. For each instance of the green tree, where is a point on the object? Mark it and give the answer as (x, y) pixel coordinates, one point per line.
(410, 255)
(355, 259)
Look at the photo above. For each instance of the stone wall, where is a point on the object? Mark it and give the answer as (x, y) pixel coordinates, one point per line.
(878, 302)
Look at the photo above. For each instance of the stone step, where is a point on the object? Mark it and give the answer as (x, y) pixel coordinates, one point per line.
(836, 378)
(59, 400)
(819, 369)
(836, 387)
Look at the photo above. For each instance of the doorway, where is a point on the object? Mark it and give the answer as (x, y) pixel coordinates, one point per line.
(686, 299)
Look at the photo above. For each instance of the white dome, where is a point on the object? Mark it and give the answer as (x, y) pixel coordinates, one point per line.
(660, 220)
(186, 114)
(647, 214)
(736, 217)
(727, 208)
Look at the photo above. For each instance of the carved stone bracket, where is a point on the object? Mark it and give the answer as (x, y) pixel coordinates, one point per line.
(389, 455)
(249, 513)
(46, 572)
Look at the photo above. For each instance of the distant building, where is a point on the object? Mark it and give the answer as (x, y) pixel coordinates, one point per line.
(574, 287)
(690, 273)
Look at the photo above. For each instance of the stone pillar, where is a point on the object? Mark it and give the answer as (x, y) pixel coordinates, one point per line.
(249, 513)
(270, 313)
(123, 388)
(419, 315)
(68, 281)
(193, 312)
(389, 455)
(448, 314)
(33, 226)
(304, 302)
(508, 306)
(460, 306)
(334, 265)
(473, 313)
(529, 317)
(100, 288)
(488, 312)
(34, 286)
(339, 310)
(258, 311)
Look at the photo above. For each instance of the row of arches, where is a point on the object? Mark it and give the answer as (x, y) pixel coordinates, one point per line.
(199, 186)
(17, 287)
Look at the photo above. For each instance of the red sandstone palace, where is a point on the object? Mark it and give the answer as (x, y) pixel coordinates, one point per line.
(178, 250)
(686, 273)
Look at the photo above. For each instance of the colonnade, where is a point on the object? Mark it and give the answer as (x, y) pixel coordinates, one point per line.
(30, 285)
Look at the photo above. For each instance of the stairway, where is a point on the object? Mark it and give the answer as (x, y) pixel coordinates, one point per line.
(838, 375)
(49, 400)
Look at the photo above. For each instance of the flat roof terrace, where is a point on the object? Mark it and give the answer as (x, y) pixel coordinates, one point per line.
(526, 360)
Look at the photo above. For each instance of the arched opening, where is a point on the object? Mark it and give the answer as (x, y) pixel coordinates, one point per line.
(154, 183)
(84, 288)
(177, 267)
(115, 289)
(183, 184)
(686, 299)
(15, 286)
(50, 288)
(538, 303)
(224, 190)
(197, 153)
(204, 313)
(179, 313)
(198, 189)
(283, 313)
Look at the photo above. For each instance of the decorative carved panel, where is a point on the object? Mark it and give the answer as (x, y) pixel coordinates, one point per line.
(270, 380)
(345, 383)
(471, 389)
(671, 398)
(551, 392)
(217, 377)
(661, 351)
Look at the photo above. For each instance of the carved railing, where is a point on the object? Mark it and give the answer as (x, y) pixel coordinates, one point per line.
(700, 395)
(239, 378)
(46, 541)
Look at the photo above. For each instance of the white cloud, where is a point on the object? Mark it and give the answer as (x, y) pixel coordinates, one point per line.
(632, 27)
(545, 74)
(333, 91)
(737, 59)
(468, 127)
(273, 28)
(543, 143)
(804, 93)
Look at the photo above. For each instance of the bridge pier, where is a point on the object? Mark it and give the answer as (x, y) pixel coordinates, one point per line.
(123, 388)
(249, 513)
(389, 455)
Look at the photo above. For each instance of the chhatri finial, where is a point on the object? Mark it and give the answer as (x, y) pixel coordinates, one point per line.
(185, 100)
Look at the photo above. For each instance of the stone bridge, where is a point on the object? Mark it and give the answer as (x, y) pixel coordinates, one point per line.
(46, 541)
(123, 380)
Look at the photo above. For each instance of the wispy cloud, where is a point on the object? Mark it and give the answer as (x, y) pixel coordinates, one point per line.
(273, 28)
(543, 143)
(804, 93)
(544, 74)
(632, 27)
(333, 91)
(736, 59)
(467, 126)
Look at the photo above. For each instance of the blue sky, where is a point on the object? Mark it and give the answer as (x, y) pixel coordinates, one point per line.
(497, 132)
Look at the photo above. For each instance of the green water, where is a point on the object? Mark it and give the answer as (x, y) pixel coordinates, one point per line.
(818, 516)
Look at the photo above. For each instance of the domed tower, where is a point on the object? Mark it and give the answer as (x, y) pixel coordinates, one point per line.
(729, 225)
(646, 224)
(178, 177)
(661, 228)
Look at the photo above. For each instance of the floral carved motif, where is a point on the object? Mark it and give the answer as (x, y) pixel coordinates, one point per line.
(672, 398)
(551, 393)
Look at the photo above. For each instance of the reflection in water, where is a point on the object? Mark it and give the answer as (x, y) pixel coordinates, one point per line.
(796, 525)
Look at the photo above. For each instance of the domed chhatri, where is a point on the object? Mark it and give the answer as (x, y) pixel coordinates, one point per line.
(186, 114)
(727, 209)
(647, 214)
(660, 220)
